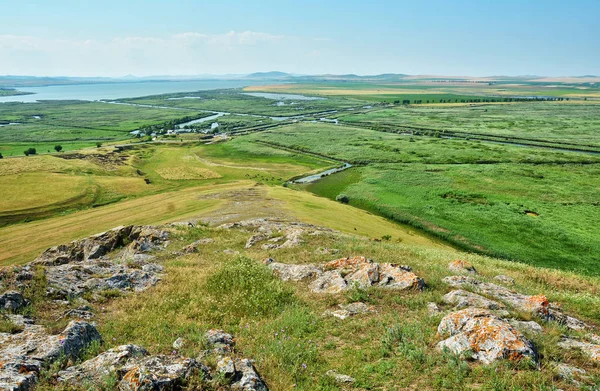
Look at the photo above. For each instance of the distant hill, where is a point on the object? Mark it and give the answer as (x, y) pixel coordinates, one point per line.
(273, 75)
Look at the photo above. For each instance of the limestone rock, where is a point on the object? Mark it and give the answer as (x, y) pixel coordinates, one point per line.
(535, 305)
(159, 373)
(590, 349)
(464, 299)
(570, 373)
(178, 343)
(246, 377)
(193, 247)
(25, 353)
(106, 364)
(287, 272)
(485, 336)
(329, 282)
(226, 367)
(460, 266)
(340, 378)
(348, 310)
(220, 341)
(12, 301)
(527, 327)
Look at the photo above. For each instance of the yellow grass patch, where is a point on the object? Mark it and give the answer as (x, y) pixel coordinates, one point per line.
(186, 173)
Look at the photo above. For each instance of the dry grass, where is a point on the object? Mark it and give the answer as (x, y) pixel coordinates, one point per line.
(183, 172)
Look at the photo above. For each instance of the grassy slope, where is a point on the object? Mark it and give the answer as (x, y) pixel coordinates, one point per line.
(280, 324)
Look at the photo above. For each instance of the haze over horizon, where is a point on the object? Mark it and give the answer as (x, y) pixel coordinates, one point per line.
(187, 38)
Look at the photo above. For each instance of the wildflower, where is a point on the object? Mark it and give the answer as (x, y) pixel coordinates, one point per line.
(304, 366)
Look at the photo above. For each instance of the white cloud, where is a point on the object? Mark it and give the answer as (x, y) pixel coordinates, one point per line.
(185, 53)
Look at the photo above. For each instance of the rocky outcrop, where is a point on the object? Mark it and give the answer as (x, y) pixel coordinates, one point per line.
(591, 350)
(460, 266)
(276, 234)
(12, 301)
(160, 373)
(24, 354)
(82, 266)
(243, 375)
(483, 336)
(345, 273)
(287, 272)
(536, 305)
(505, 279)
(220, 341)
(193, 247)
(464, 299)
(97, 369)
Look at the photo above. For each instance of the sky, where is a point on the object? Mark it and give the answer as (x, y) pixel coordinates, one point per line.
(184, 37)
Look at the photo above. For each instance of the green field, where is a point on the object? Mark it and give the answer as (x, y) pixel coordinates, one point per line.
(499, 200)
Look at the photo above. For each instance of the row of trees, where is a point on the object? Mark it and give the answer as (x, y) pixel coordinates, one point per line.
(485, 100)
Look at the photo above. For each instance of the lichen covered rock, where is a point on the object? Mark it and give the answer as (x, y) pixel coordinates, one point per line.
(484, 336)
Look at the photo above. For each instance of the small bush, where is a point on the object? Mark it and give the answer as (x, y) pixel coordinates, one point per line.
(30, 151)
(244, 288)
(344, 199)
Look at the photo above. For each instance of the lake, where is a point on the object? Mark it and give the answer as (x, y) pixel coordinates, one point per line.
(100, 91)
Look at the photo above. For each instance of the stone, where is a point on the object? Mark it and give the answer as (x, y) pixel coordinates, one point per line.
(229, 251)
(527, 327)
(464, 299)
(78, 314)
(178, 343)
(159, 373)
(102, 366)
(590, 349)
(535, 305)
(24, 354)
(505, 279)
(570, 373)
(340, 378)
(329, 282)
(460, 266)
(246, 377)
(226, 367)
(12, 301)
(220, 341)
(484, 336)
(287, 272)
(348, 310)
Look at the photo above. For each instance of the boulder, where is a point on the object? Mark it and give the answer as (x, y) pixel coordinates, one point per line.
(178, 343)
(535, 305)
(460, 266)
(220, 341)
(109, 363)
(24, 354)
(329, 282)
(12, 301)
(160, 373)
(433, 309)
(531, 326)
(570, 373)
(464, 299)
(484, 336)
(288, 272)
(246, 377)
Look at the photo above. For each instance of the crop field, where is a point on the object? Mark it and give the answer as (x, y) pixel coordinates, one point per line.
(236, 101)
(553, 122)
(78, 121)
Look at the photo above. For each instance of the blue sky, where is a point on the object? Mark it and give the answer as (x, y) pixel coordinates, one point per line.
(477, 38)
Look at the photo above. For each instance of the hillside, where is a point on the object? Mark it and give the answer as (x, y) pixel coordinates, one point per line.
(199, 299)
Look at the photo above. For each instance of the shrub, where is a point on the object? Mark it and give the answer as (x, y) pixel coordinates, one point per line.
(1, 157)
(58, 148)
(30, 151)
(244, 288)
(98, 145)
(344, 199)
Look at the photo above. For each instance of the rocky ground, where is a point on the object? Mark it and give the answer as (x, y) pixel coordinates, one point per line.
(480, 321)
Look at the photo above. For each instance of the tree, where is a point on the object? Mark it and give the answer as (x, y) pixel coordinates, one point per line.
(58, 148)
(30, 151)
(1, 157)
(98, 144)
